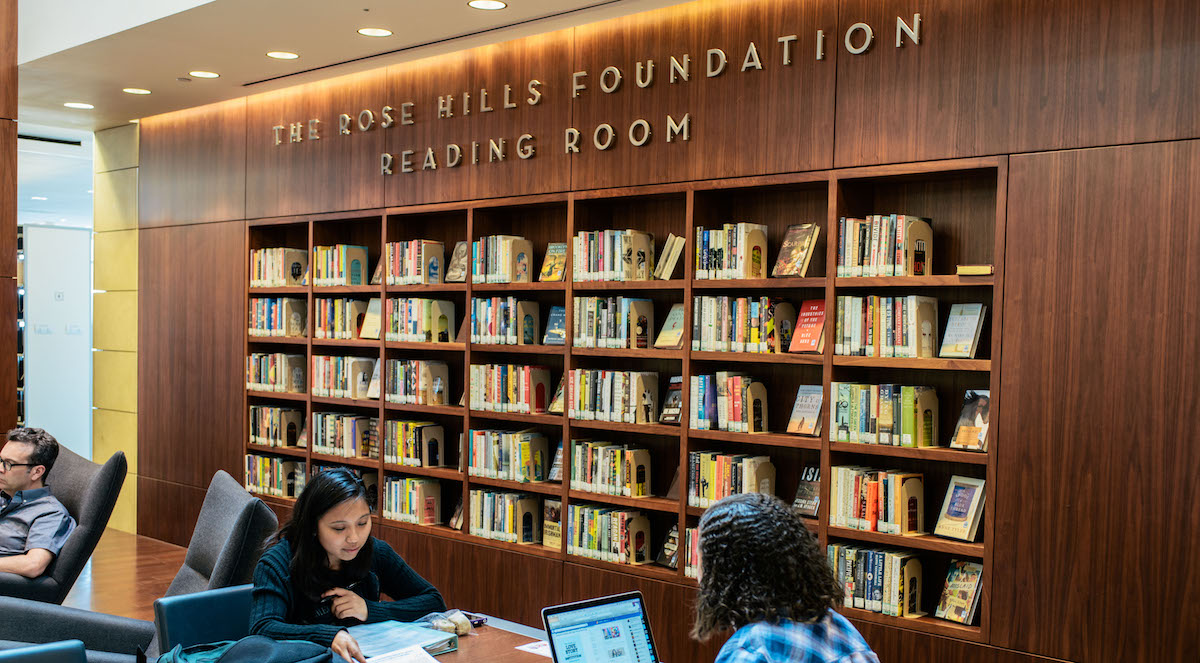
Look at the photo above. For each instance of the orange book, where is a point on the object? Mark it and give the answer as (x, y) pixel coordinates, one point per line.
(872, 515)
(810, 328)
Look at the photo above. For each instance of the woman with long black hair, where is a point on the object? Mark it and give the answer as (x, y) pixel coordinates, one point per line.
(325, 571)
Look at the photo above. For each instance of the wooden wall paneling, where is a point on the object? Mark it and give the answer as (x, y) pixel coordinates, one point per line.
(8, 205)
(333, 172)
(895, 645)
(193, 165)
(168, 510)
(191, 326)
(8, 60)
(8, 352)
(463, 76)
(1097, 488)
(996, 77)
(777, 119)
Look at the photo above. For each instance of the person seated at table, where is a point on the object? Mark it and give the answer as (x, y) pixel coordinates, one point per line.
(763, 574)
(323, 571)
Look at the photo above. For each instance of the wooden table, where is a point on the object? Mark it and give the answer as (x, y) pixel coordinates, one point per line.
(492, 645)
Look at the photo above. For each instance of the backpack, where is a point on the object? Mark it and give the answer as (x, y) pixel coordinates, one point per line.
(251, 649)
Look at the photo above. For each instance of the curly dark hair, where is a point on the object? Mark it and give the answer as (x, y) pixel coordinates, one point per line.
(758, 562)
(45, 447)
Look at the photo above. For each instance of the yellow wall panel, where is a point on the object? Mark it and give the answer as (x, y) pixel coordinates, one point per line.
(115, 148)
(115, 200)
(113, 431)
(115, 320)
(114, 380)
(116, 256)
(124, 515)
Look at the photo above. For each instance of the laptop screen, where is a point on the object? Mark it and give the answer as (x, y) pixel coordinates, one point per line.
(604, 630)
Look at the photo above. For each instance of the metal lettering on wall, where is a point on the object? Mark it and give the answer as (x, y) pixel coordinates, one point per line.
(857, 39)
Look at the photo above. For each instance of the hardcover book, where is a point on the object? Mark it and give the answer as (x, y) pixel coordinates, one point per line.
(963, 329)
(556, 327)
(552, 524)
(971, 431)
(456, 270)
(371, 320)
(672, 410)
(799, 244)
(960, 594)
(555, 263)
(962, 509)
(810, 328)
(806, 412)
(671, 336)
(808, 494)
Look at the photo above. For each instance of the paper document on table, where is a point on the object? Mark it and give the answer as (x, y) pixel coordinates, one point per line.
(411, 655)
(391, 636)
(541, 648)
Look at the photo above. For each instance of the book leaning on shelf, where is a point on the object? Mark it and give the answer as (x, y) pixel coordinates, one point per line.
(806, 411)
(345, 435)
(884, 326)
(613, 322)
(733, 251)
(340, 264)
(412, 500)
(552, 523)
(521, 456)
(417, 382)
(883, 581)
(342, 377)
(741, 324)
(885, 245)
(799, 245)
(872, 500)
(414, 443)
(691, 552)
(413, 262)
(962, 510)
(971, 429)
(610, 469)
(278, 317)
(510, 388)
(670, 337)
(276, 371)
(607, 534)
(622, 396)
(963, 328)
(613, 255)
(420, 320)
(278, 477)
(960, 595)
(668, 555)
(554, 265)
(505, 516)
(556, 326)
(673, 247)
(888, 414)
(728, 401)
(808, 492)
(713, 476)
(504, 321)
(278, 267)
(274, 426)
(502, 259)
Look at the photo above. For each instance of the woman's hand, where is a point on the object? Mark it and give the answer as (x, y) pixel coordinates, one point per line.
(346, 604)
(346, 646)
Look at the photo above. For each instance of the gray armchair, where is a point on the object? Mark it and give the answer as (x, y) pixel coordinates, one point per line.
(89, 492)
(225, 546)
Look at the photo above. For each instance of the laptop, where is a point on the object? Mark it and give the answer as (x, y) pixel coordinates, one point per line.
(610, 629)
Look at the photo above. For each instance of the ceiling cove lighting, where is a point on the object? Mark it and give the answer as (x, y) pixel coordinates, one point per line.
(79, 104)
(490, 5)
(282, 55)
(204, 74)
(135, 90)
(375, 32)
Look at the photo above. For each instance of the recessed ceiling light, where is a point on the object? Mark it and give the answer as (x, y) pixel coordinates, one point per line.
(282, 55)
(487, 4)
(375, 32)
(135, 121)
(135, 90)
(78, 104)
(38, 198)
(90, 191)
(204, 74)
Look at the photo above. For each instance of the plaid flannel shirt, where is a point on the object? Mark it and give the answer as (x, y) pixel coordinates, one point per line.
(831, 640)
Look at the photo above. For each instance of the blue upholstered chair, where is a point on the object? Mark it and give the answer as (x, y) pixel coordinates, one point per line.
(67, 651)
(209, 616)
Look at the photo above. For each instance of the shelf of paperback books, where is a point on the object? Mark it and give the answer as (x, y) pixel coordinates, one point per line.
(769, 439)
(758, 357)
(547, 419)
(923, 624)
(982, 365)
(281, 395)
(649, 503)
(919, 542)
(943, 454)
(931, 281)
(294, 452)
(365, 463)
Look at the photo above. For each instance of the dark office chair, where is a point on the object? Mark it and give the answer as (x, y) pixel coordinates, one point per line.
(209, 616)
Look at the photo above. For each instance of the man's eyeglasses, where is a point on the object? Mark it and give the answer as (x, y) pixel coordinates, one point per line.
(8, 464)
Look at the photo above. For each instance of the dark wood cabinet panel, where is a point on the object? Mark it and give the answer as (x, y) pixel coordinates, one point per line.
(333, 172)
(1001, 76)
(168, 510)
(1097, 531)
(8, 61)
(895, 645)
(191, 298)
(192, 166)
(743, 122)
(8, 205)
(8, 351)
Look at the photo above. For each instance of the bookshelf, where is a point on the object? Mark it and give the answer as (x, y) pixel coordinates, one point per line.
(965, 199)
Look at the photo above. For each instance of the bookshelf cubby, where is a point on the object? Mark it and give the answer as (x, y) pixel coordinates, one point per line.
(964, 198)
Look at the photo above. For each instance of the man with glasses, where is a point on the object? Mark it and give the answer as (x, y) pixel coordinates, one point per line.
(33, 524)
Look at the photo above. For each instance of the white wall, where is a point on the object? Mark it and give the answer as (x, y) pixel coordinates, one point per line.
(58, 334)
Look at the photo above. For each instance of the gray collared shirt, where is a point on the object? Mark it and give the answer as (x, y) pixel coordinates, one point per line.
(33, 519)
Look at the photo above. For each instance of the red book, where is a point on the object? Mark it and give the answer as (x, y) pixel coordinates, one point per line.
(810, 328)
(872, 515)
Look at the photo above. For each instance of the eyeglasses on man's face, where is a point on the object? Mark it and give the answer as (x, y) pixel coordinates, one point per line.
(7, 465)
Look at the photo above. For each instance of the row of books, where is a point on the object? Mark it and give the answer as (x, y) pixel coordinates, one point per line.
(420, 320)
(608, 534)
(514, 456)
(713, 475)
(278, 267)
(345, 435)
(505, 321)
(510, 388)
(885, 326)
(723, 323)
(345, 318)
(335, 376)
(417, 382)
(413, 262)
(610, 469)
(613, 255)
(412, 500)
(275, 426)
(276, 371)
(728, 401)
(622, 396)
(278, 477)
(278, 316)
(733, 251)
(691, 552)
(883, 581)
(612, 322)
(888, 501)
(340, 264)
(501, 259)
(506, 516)
(886, 414)
(414, 443)
(885, 245)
